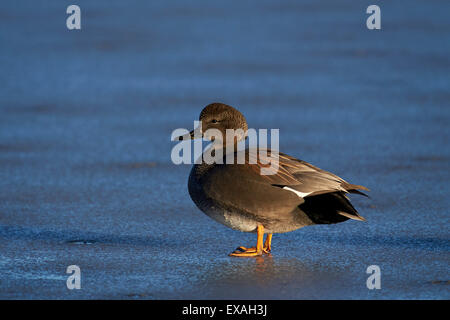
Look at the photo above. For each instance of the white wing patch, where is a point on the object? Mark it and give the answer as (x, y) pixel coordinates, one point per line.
(300, 194)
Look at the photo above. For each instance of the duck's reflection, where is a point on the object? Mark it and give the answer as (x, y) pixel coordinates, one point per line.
(264, 277)
(263, 266)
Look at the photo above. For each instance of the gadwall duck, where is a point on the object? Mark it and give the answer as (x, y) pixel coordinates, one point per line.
(237, 195)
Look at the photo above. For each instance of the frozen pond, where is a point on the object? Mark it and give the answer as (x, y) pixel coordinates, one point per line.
(86, 116)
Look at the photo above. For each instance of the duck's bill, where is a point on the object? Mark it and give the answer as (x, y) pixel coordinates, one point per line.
(187, 136)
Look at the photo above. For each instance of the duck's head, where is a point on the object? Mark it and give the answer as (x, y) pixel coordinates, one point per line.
(216, 118)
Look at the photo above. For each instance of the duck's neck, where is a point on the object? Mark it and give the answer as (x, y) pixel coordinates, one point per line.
(215, 153)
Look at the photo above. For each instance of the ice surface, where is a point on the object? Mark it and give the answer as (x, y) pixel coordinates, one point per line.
(86, 117)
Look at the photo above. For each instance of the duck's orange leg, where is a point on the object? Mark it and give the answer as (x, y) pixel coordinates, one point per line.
(267, 248)
(268, 243)
(252, 252)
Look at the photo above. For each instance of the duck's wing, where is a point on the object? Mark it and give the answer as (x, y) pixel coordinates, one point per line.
(243, 187)
(323, 193)
(297, 175)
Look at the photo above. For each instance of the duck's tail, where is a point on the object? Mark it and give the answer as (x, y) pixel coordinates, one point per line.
(330, 208)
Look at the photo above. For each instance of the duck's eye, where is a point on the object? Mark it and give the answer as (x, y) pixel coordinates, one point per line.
(214, 121)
